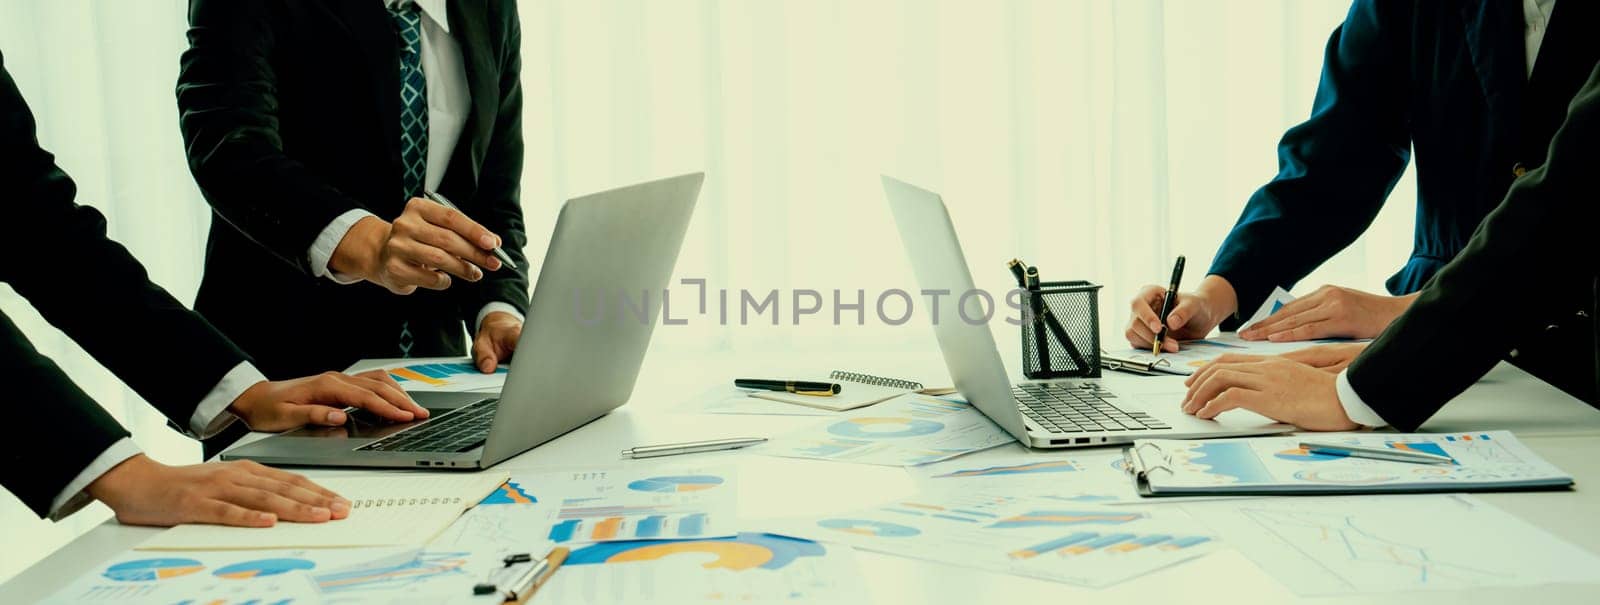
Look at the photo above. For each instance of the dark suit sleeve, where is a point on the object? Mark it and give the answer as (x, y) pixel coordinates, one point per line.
(1520, 272)
(65, 429)
(500, 177)
(1334, 170)
(88, 286)
(227, 104)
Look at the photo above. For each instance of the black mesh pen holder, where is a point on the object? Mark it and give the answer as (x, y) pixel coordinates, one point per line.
(1061, 331)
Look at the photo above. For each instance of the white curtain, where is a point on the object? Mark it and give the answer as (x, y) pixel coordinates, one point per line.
(1097, 139)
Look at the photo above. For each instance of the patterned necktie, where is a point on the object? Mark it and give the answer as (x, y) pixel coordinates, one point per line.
(413, 117)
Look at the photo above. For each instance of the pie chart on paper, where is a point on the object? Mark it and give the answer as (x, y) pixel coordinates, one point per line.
(261, 568)
(676, 483)
(144, 570)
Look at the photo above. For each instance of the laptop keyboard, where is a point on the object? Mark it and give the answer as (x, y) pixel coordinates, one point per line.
(1082, 408)
(457, 431)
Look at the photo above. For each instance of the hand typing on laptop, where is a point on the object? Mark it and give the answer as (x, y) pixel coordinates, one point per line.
(320, 400)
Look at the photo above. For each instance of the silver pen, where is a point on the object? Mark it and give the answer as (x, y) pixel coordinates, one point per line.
(1375, 453)
(692, 447)
(443, 201)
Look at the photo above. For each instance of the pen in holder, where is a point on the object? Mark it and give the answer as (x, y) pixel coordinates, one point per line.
(1061, 330)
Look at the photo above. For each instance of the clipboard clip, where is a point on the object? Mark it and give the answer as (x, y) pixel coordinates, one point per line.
(1137, 463)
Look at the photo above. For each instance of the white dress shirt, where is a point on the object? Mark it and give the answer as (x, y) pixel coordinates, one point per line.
(1536, 19)
(448, 104)
(209, 418)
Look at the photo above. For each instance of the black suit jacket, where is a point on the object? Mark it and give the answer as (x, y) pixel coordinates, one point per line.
(90, 287)
(290, 115)
(1529, 264)
(1445, 78)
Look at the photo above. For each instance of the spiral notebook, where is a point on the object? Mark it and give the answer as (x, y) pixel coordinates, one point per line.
(392, 510)
(856, 391)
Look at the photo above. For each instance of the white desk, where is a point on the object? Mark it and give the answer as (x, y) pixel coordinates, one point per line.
(1563, 429)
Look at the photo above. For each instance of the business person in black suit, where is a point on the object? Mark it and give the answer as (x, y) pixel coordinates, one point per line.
(313, 128)
(62, 449)
(1530, 263)
(1475, 88)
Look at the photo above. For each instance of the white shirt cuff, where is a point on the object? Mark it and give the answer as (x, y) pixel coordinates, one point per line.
(322, 248)
(73, 497)
(496, 307)
(211, 416)
(1358, 410)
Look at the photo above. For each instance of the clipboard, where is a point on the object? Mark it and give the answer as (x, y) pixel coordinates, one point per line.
(1142, 367)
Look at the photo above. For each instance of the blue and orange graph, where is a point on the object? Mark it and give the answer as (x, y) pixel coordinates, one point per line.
(1060, 518)
(744, 552)
(1301, 454)
(864, 527)
(509, 492)
(1051, 466)
(144, 570)
(884, 427)
(436, 374)
(1085, 542)
(261, 568)
(630, 527)
(676, 483)
(1425, 447)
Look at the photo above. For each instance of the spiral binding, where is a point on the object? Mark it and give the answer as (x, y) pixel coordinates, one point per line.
(387, 502)
(877, 381)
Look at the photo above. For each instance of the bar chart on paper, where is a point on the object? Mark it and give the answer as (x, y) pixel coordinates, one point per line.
(616, 504)
(446, 376)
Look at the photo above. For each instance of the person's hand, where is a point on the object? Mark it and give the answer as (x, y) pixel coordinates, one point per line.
(321, 399)
(1332, 358)
(1330, 312)
(142, 491)
(421, 249)
(1278, 388)
(1194, 314)
(496, 340)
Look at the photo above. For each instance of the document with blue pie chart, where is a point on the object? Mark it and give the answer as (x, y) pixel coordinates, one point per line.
(267, 576)
(1486, 460)
(905, 431)
(751, 568)
(1037, 537)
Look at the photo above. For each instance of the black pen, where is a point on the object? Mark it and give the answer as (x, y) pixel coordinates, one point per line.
(798, 387)
(1166, 305)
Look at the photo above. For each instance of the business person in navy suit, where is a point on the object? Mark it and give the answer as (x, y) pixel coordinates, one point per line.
(1549, 214)
(1475, 89)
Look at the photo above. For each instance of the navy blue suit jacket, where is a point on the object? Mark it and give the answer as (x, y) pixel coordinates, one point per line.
(1443, 79)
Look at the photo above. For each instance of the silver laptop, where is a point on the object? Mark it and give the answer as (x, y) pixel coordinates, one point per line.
(1055, 414)
(578, 358)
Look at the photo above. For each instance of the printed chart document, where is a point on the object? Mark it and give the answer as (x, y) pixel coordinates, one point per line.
(446, 375)
(395, 510)
(1273, 465)
(1274, 303)
(1195, 354)
(751, 568)
(641, 503)
(270, 576)
(1037, 537)
(904, 431)
(1078, 476)
(1329, 546)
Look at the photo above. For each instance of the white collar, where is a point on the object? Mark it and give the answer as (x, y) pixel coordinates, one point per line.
(434, 9)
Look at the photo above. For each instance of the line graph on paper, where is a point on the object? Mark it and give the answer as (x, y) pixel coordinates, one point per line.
(1365, 559)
